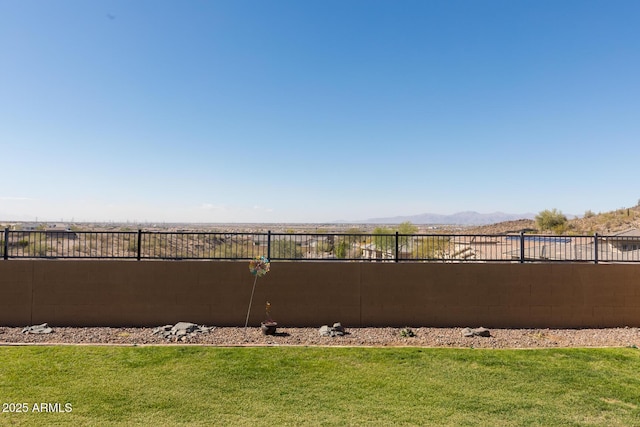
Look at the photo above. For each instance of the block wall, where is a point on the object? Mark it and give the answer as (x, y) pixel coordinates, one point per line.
(152, 293)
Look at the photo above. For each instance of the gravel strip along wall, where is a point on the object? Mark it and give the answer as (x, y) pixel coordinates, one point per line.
(424, 337)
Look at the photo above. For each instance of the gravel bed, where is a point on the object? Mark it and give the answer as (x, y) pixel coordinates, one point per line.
(252, 336)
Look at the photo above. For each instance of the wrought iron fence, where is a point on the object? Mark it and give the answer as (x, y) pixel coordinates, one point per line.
(451, 248)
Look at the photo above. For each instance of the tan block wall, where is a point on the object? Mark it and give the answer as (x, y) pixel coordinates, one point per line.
(152, 293)
(16, 292)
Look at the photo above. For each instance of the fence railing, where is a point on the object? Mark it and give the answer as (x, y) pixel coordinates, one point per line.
(298, 246)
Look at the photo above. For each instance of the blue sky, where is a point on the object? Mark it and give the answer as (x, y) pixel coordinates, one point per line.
(316, 111)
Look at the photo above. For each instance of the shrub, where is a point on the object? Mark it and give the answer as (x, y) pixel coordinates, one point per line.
(342, 249)
(551, 220)
(285, 249)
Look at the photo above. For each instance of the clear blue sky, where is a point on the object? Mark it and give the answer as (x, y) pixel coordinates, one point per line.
(315, 111)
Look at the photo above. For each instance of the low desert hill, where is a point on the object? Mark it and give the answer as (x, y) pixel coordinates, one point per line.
(602, 223)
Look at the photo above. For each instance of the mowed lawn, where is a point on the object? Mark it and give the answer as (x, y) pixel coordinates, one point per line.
(274, 386)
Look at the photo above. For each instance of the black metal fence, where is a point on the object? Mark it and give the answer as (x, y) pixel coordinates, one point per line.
(298, 246)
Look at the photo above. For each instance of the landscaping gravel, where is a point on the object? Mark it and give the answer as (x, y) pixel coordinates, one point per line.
(252, 336)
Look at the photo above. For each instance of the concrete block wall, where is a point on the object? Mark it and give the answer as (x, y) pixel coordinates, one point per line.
(152, 293)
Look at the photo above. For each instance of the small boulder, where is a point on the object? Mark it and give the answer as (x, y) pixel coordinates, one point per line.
(184, 328)
(407, 333)
(325, 331)
(181, 330)
(337, 330)
(38, 329)
(482, 332)
(478, 332)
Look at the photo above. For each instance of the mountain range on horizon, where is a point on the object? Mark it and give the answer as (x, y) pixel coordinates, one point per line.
(467, 218)
(459, 218)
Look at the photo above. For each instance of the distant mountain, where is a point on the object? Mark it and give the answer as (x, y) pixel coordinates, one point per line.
(460, 218)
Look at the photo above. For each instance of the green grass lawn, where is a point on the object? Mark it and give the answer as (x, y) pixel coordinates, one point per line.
(319, 386)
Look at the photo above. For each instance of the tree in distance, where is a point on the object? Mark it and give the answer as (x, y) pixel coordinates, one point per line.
(286, 249)
(551, 220)
(384, 238)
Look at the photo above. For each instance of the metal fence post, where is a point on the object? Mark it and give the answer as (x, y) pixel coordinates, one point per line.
(269, 244)
(595, 248)
(397, 246)
(521, 247)
(139, 244)
(6, 243)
